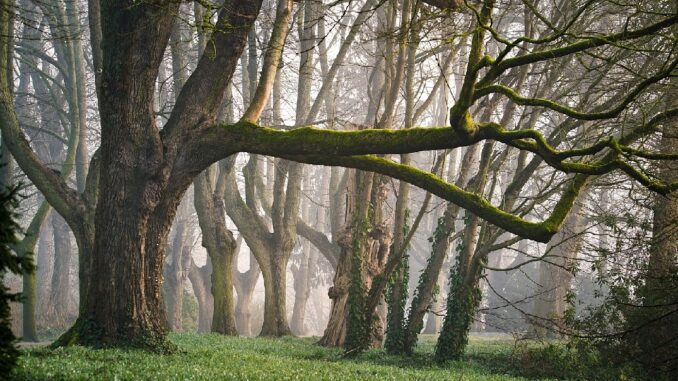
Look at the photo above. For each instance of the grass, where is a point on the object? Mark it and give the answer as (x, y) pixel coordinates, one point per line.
(215, 357)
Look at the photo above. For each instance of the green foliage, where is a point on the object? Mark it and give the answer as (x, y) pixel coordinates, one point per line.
(217, 357)
(565, 361)
(462, 304)
(14, 264)
(632, 331)
(441, 233)
(358, 324)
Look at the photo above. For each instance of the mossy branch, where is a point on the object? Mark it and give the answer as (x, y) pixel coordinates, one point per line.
(432, 183)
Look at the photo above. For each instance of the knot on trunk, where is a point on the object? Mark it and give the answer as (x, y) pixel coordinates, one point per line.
(341, 286)
(380, 247)
(377, 334)
(345, 238)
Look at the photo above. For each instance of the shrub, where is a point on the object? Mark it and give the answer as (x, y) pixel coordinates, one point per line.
(9, 261)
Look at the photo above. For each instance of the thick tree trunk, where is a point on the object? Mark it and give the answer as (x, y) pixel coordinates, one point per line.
(656, 321)
(142, 170)
(223, 265)
(275, 309)
(335, 332)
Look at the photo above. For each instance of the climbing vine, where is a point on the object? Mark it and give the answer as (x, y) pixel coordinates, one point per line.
(396, 296)
(358, 324)
(414, 326)
(462, 302)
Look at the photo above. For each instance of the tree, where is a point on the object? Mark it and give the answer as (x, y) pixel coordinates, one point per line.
(141, 171)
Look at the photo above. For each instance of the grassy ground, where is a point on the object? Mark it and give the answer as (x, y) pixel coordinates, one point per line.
(214, 357)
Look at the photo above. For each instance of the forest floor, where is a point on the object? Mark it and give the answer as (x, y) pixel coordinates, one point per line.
(215, 357)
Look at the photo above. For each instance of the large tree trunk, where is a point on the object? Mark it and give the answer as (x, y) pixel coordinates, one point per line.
(275, 309)
(655, 323)
(221, 248)
(141, 169)
(123, 303)
(335, 332)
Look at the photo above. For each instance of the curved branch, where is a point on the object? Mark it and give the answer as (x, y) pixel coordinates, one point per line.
(329, 250)
(541, 232)
(52, 184)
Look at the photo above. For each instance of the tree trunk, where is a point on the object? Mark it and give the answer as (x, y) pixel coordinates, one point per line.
(335, 332)
(441, 236)
(223, 320)
(465, 295)
(200, 278)
(275, 309)
(302, 288)
(221, 248)
(555, 276)
(59, 311)
(244, 285)
(656, 334)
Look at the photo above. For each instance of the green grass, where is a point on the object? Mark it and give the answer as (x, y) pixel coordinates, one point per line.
(215, 357)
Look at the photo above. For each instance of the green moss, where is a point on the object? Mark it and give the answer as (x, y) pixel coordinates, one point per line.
(358, 324)
(86, 332)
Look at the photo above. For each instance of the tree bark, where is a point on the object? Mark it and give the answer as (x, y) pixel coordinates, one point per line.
(555, 276)
(200, 280)
(275, 310)
(244, 285)
(59, 311)
(302, 290)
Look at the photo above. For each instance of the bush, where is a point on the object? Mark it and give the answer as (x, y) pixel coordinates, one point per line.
(12, 263)
(563, 360)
